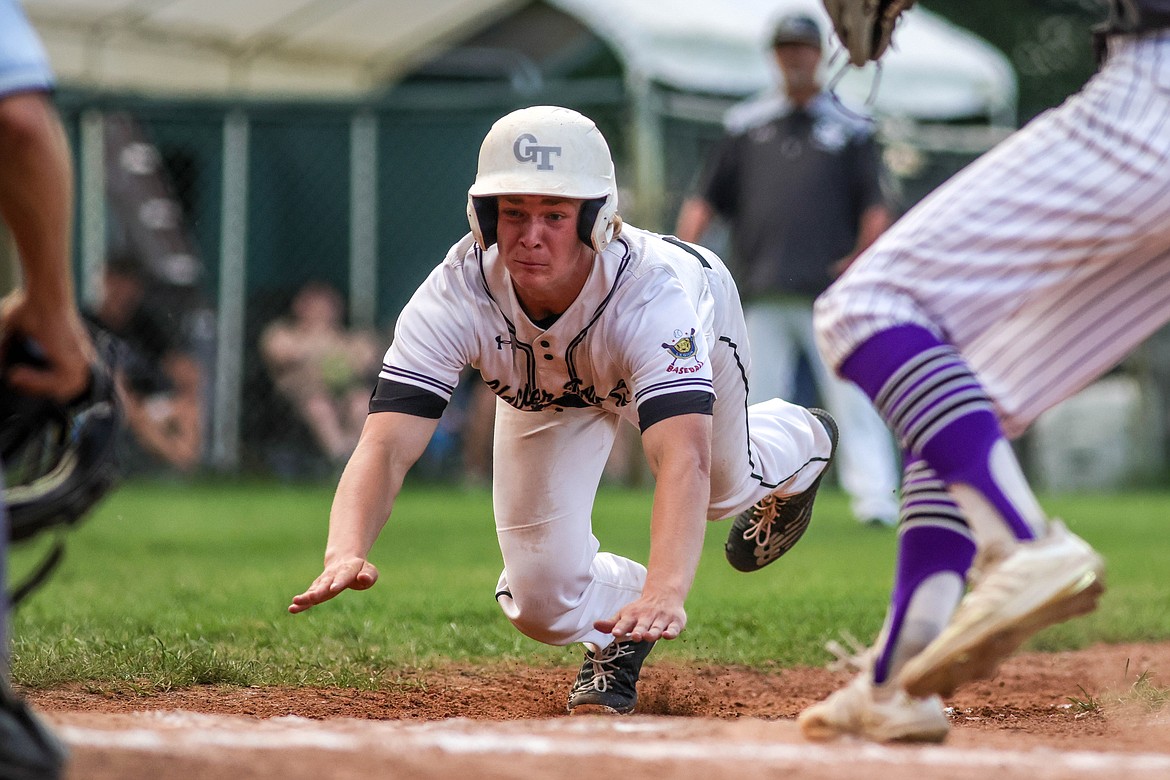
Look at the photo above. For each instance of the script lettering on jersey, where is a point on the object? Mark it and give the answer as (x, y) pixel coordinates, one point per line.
(527, 149)
(588, 395)
(535, 399)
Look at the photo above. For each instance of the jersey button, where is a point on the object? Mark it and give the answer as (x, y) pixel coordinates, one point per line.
(548, 357)
(544, 344)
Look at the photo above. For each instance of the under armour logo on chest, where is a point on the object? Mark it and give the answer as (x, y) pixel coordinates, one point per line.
(527, 149)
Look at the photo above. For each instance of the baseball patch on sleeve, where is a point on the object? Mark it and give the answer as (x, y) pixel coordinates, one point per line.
(684, 353)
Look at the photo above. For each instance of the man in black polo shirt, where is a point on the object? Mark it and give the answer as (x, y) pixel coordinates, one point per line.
(798, 179)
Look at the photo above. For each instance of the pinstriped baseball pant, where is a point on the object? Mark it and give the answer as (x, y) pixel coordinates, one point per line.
(1047, 260)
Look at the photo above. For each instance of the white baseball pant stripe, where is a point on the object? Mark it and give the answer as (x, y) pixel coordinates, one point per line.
(1047, 260)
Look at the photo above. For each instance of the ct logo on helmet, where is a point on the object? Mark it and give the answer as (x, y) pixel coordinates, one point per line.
(527, 149)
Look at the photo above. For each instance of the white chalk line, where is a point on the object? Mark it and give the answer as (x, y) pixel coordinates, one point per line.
(199, 733)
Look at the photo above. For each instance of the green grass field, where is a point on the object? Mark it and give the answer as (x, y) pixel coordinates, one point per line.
(174, 585)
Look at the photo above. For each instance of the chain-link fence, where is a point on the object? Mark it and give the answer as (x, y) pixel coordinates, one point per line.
(227, 211)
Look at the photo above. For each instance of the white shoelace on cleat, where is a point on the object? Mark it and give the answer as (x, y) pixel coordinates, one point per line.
(604, 666)
(763, 519)
(851, 655)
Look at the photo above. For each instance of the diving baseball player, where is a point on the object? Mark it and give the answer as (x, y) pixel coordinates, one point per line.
(1014, 285)
(579, 323)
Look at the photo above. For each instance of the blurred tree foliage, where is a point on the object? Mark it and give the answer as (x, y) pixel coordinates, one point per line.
(1048, 42)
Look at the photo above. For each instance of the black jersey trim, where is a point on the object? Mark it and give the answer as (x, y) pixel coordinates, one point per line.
(660, 407)
(755, 470)
(391, 396)
(684, 245)
(571, 351)
(526, 349)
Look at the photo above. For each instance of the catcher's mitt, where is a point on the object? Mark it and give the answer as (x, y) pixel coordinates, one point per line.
(59, 460)
(865, 27)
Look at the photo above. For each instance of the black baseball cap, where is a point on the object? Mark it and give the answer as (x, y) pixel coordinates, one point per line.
(797, 28)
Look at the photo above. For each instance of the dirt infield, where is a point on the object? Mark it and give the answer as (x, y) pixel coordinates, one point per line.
(1095, 712)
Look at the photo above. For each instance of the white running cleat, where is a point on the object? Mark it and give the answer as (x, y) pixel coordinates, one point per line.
(882, 713)
(1036, 585)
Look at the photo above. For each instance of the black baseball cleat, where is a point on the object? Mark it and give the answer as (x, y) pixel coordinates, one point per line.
(608, 680)
(773, 525)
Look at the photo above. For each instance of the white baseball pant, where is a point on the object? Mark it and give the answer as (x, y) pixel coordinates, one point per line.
(556, 582)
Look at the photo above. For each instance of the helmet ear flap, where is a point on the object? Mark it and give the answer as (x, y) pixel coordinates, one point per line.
(483, 215)
(595, 222)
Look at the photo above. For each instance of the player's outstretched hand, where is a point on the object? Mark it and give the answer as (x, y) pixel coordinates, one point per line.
(648, 619)
(352, 573)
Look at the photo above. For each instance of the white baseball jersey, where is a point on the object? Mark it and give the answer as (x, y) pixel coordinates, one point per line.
(656, 331)
(467, 314)
(1047, 260)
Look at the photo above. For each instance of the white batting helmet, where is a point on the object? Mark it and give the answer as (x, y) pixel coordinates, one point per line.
(545, 150)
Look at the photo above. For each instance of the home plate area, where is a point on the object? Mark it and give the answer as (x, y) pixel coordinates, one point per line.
(162, 745)
(1097, 713)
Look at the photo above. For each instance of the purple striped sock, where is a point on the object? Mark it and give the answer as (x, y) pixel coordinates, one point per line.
(932, 539)
(937, 408)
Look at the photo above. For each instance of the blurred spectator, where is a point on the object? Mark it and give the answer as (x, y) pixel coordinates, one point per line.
(323, 368)
(799, 179)
(160, 379)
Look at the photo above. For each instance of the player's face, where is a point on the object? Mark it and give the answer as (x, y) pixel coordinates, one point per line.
(799, 63)
(538, 242)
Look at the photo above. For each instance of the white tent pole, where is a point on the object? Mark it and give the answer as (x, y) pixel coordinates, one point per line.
(229, 353)
(649, 155)
(363, 219)
(92, 219)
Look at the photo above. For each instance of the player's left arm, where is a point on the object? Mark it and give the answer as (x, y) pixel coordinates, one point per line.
(679, 453)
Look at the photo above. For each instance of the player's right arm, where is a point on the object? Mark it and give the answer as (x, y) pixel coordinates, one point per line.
(390, 444)
(418, 376)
